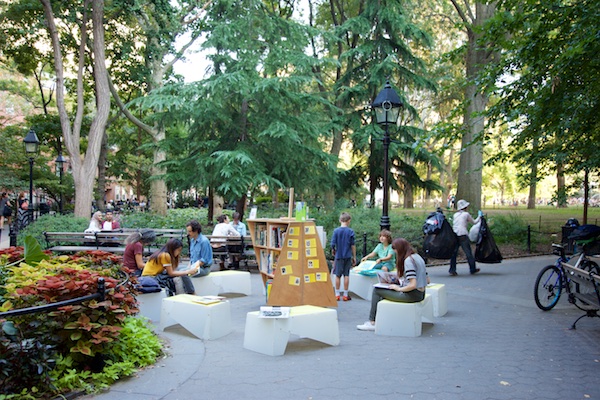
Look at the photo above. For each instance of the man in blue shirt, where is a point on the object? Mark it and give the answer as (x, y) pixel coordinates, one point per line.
(344, 251)
(200, 249)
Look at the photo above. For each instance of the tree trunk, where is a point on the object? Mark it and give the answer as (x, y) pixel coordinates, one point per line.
(408, 196)
(561, 191)
(84, 168)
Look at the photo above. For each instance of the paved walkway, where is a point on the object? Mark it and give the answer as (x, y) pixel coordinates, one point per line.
(493, 344)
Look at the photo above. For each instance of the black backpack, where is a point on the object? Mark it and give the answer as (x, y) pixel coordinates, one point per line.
(486, 250)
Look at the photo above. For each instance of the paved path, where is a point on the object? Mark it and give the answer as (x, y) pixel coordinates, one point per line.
(493, 344)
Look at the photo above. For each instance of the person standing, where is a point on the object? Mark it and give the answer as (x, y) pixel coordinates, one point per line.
(344, 251)
(201, 254)
(5, 210)
(411, 277)
(460, 225)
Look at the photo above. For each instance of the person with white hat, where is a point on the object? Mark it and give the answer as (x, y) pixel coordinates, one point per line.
(460, 223)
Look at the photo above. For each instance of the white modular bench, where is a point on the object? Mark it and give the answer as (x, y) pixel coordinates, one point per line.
(362, 285)
(438, 298)
(220, 282)
(270, 335)
(205, 321)
(150, 304)
(403, 319)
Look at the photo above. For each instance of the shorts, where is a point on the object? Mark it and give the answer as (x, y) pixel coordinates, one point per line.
(342, 266)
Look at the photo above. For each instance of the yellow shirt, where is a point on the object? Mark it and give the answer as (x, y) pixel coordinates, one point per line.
(156, 267)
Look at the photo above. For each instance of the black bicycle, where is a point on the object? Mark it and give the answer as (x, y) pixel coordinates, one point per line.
(552, 279)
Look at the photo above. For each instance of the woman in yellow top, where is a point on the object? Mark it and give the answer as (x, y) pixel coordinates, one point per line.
(163, 264)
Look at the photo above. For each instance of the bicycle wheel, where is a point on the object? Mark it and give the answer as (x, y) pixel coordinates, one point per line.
(548, 287)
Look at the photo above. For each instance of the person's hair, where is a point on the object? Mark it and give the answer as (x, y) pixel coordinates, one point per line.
(97, 215)
(195, 225)
(345, 217)
(169, 247)
(236, 215)
(4, 194)
(403, 251)
(387, 234)
(221, 218)
(143, 235)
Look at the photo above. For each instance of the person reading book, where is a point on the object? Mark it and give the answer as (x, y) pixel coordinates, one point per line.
(386, 257)
(411, 281)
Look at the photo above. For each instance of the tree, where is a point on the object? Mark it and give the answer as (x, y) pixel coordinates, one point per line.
(547, 83)
(82, 167)
(477, 57)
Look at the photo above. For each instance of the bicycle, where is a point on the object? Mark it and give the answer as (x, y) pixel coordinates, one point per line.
(552, 279)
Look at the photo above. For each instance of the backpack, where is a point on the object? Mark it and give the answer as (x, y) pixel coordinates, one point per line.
(486, 250)
(440, 239)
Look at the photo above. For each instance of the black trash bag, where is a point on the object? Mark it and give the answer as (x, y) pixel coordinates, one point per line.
(441, 241)
(486, 250)
(585, 232)
(433, 223)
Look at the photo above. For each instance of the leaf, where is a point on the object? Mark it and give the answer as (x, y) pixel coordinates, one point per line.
(33, 251)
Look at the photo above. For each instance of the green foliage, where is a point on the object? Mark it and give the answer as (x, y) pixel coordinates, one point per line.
(52, 223)
(508, 228)
(76, 347)
(175, 218)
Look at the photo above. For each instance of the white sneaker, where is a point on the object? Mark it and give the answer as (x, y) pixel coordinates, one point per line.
(367, 326)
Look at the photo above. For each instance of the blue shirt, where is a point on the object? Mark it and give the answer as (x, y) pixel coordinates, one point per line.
(342, 241)
(201, 250)
(240, 227)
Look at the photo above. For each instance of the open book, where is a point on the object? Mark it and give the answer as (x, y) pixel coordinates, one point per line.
(386, 279)
(207, 299)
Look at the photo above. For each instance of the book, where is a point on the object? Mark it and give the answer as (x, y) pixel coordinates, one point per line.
(274, 312)
(207, 299)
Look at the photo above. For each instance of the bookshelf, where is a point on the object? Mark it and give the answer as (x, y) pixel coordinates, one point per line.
(290, 253)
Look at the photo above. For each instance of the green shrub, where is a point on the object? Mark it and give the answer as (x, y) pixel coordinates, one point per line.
(53, 223)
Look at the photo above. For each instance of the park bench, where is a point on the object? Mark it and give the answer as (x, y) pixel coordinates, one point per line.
(73, 242)
(240, 247)
(585, 292)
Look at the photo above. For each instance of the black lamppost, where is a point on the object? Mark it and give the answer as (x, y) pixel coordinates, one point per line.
(32, 145)
(387, 106)
(60, 162)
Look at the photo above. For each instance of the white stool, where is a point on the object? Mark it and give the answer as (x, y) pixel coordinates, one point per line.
(210, 321)
(223, 282)
(150, 304)
(270, 335)
(403, 319)
(438, 298)
(362, 285)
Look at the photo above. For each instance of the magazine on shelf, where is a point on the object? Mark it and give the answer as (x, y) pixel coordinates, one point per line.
(274, 312)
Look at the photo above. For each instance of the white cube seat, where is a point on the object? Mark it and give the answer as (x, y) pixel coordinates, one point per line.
(205, 321)
(362, 285)
(223, 282)
(270, 335)
(403, 319)
(438, 298)
(150, 304)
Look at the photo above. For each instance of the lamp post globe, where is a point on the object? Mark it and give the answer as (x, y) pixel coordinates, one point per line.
(32, 146)
(387, 107)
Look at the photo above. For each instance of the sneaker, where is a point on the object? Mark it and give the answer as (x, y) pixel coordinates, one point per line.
(367, 326)
(453, 273)
(337, 297)
(476, 271)
(346, 298)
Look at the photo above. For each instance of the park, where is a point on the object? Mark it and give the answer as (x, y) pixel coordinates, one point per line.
(154, 114)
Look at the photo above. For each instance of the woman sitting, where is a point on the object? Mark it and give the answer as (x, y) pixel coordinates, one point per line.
(132, 257)
(162, 266)
(411, 281)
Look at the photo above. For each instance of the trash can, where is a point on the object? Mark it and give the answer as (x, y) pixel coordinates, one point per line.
(567, 229)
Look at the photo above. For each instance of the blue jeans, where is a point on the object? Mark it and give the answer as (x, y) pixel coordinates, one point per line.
(465, 244)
